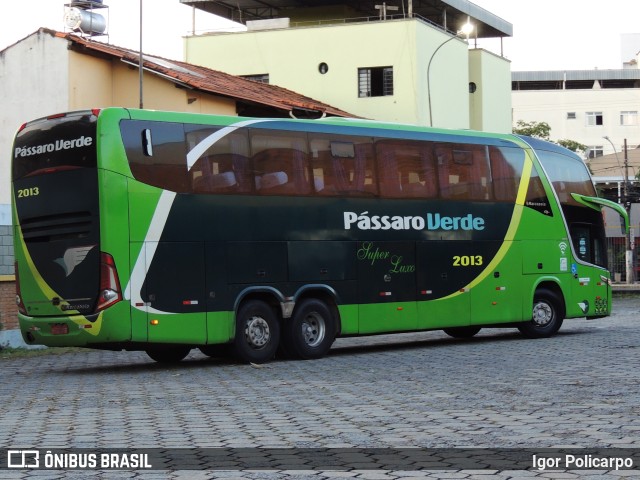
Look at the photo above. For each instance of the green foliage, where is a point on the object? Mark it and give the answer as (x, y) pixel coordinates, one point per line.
(533, 129)
(542, 130)
(572, 145)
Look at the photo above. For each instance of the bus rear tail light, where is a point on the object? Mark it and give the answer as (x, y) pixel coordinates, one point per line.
(19, 302)
(110, 292)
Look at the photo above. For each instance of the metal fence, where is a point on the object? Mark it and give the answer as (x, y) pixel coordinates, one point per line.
(616, 251)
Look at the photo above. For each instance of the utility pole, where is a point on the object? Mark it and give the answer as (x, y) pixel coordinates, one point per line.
(141, 63)
(630, 236)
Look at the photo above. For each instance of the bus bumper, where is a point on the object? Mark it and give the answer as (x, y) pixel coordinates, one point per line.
(75, 330)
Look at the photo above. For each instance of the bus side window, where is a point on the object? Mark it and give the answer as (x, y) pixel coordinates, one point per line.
(406, 169)
(536, 196)
(506, 170)
(280, 163)
(463, 171)
(217, 174)
(163, 163)
(343, 165)
(223, 168)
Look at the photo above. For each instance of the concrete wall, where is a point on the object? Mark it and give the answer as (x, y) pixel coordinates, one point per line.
(552, 106)
(34, 74)
(490, 104)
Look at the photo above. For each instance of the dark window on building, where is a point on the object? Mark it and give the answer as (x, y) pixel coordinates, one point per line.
(571, 115)
(594, 119)
(375, 82)
(596, 151)
(579, 84)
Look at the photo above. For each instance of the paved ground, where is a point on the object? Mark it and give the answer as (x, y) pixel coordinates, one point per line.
(580, 388)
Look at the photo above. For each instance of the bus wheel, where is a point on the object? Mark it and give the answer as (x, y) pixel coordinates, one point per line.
(310, 332)
(257, 332)
(547, 316)
(168, 354)
(462, 332)
(216, 351)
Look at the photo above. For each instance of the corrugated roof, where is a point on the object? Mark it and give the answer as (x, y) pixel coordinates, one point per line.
(446, 13)
(559, 75)
(205, 79)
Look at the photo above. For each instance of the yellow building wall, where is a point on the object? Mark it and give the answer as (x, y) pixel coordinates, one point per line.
(490, 104)
(99, 83)
(291, 58)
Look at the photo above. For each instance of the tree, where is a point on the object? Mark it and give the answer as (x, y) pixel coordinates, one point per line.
(542, 130)
(573, 145)
(533, 129)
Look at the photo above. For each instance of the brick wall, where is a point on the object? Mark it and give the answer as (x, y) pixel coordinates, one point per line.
(8, 309)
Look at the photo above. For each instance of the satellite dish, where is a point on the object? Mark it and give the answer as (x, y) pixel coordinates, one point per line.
(85, 21)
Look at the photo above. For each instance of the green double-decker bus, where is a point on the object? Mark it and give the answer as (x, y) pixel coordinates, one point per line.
(163, 232)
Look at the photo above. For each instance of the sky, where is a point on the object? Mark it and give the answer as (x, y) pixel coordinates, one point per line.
(547, 34)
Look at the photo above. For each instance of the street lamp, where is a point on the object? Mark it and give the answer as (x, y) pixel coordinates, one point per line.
(466, 30)
(624, 186)
(625, 196)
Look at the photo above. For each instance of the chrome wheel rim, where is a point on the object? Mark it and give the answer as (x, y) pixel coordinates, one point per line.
(542, 314)
(257, 332)
(313, 329)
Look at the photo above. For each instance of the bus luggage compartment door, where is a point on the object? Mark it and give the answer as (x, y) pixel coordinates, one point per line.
(168, 294)
(386, 286)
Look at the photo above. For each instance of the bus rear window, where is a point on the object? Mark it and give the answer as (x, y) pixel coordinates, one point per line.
(55, 144)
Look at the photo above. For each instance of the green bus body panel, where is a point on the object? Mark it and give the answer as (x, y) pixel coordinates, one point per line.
(182, 283)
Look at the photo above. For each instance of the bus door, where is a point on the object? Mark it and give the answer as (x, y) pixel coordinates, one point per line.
(168, 292)
(589, 290)
(386, 286)
(586, 228)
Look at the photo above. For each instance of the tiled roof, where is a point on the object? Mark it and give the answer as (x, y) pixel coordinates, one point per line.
(206, 79)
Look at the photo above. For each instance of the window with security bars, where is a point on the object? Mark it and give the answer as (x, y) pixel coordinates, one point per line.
(375, 82)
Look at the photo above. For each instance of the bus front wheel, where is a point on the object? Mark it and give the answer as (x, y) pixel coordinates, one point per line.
(462, 332)
(168, 354)
(547, 315)
(310, 332)
(257, 332)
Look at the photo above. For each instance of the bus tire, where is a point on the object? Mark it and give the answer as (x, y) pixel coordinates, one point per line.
(168, 354)
(547, 315)
(462, 332)
(220, 350)
(257, 332)
(310, 332)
